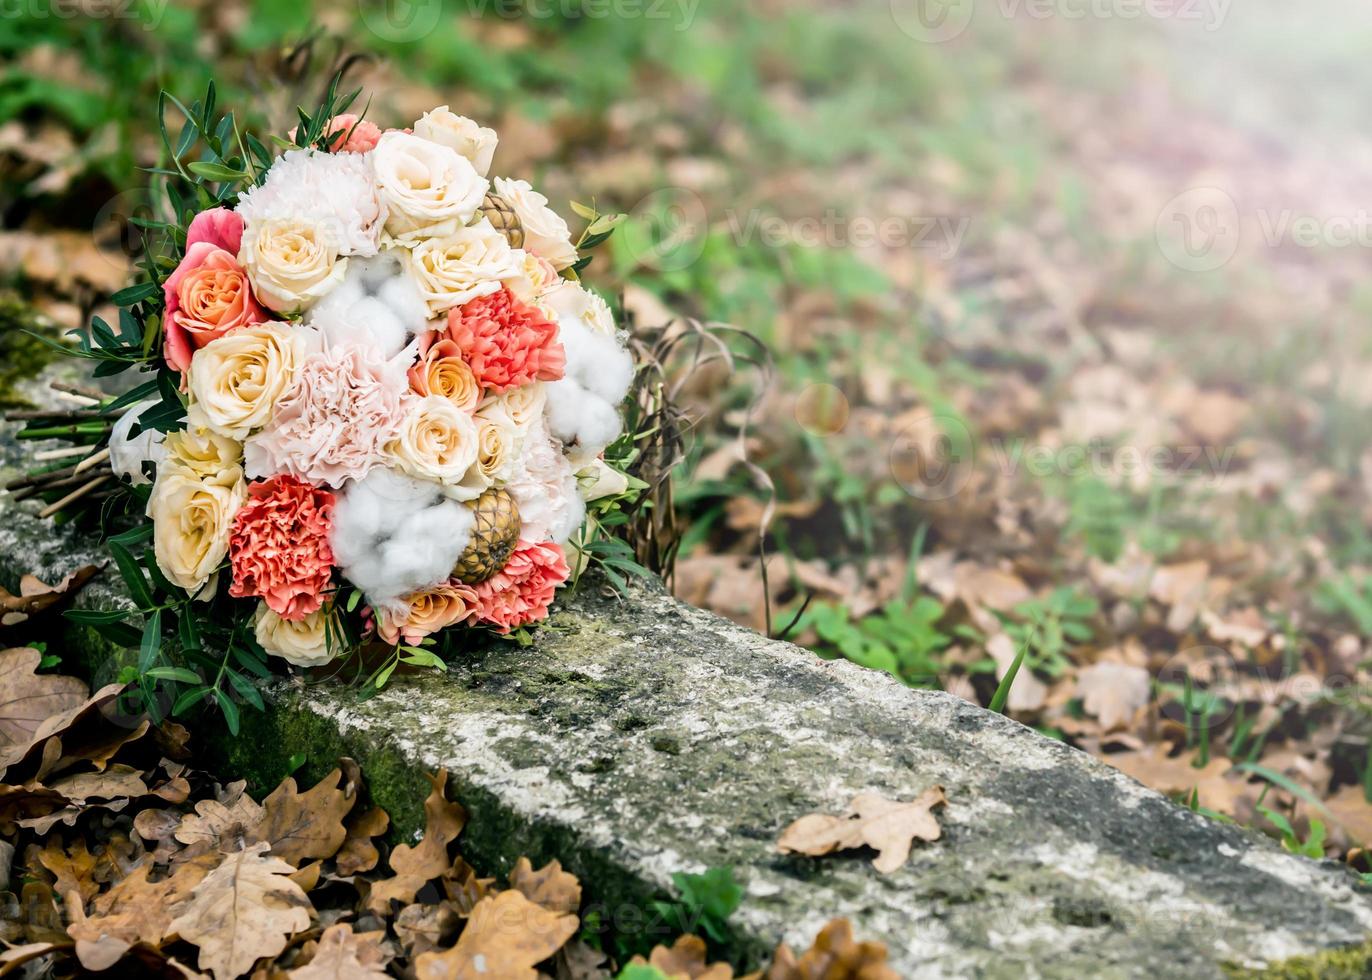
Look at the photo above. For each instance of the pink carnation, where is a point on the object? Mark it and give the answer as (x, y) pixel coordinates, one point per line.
(522, 591)
(335, 422)
(207, 295)
(349, 134)
(506, 343)
(220, 227)
(279, 546)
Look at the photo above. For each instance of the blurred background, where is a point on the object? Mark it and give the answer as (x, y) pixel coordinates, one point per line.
(1049, 319)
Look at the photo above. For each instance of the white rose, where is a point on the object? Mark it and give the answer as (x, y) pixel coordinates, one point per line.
(437, 441)
(429, 190)
(471, 140)
(599, 479)
(571, 301)
(467, 264)
(518, 407)
(236, 380)
(205, 456)
(290, 262)
(304, 643)
(497, 455)
(191, 525)
(545, 233)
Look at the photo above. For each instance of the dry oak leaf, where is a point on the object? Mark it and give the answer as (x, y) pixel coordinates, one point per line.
(358, 853)
(1112, 692)
(833, 956)
(345, 955)
(1352, 811)
(506, 937)
(136, 910)
(421, 928)
(464, 889)
(243, 910)
(28, 700)
(685, 960)
(871, 821)
(556, 890)
(217, 823)
(36, 596)
(73, 869)
(305, 825)
(416, 866)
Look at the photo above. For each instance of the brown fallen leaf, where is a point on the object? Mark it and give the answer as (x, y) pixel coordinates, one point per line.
(1176, 774)
(1112, 692)
(550, 886)
(871, 821)
(72, 869)
(579, 960)
(418, 865)
(29, 700)
(833, 956)
(243, 910)
(1352, 811)
(36, 596)
(345, 955)
(421, 928)
(464, 888)
(685, 960)
(306, 825)
(358, 853)
(506, 937)
(217, 823)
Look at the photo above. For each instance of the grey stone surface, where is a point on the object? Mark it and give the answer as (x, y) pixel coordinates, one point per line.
(641, 737)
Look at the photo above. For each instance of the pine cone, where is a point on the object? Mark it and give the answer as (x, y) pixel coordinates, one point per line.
(494, 536)
(504, 219)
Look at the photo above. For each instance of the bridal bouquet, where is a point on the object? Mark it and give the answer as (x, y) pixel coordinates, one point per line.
(382, 396)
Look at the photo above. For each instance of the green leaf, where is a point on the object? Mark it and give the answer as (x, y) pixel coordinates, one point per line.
(97, 617)
(189, 699)
(226, 705)
(178, 674)
(132, 574)
(216, 171)
(151, 643)
(131, 295)
(1003, 688)
(589, 213)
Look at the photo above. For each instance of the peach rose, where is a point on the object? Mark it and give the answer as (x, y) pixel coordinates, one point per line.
(442, 371)
(207, 296)
(425, 612)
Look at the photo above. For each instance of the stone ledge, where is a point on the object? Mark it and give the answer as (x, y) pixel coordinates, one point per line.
(643, 737)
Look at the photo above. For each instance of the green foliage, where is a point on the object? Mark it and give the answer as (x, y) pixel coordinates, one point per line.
(1311, 847)
(1045, 629)
(641, 971)
(1348, 596)
(902, 638)
(703, 906)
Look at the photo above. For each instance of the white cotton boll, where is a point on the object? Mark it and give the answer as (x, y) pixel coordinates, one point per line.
(585, 422)
(595, 360)
(127, 455)
(376, 305)
(393, 534)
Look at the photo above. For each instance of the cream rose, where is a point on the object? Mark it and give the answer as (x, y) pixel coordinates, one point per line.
(191, 524)
(304, 643)
(291, 263)
(205, 456)
(545, 233)
(437, 441)
(236, 380)
(497, 453)
(571, 301)
(429, 190)
(425, 612)
(598, 479)
(519, 407)
(468, 138)
(467, 264)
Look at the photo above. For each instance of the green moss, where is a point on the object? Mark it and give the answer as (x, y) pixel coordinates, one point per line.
(22, 355)
(1348, 963)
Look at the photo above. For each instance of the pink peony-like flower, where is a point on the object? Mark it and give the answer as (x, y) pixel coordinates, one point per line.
(333, 425)
(220, 227)
(522, 591)
(425, 612)
(505, 342)
(207, 295)
(279, 546)
(349, 134)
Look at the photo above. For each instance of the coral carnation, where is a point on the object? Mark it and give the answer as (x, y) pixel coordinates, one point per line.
(522, 591)
(506, 343)
(279, 547)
